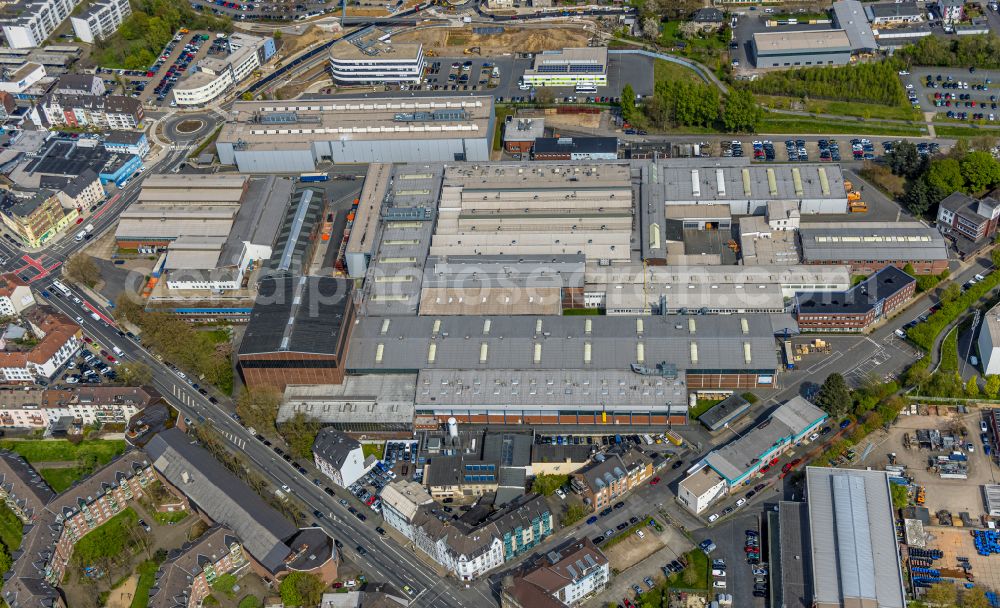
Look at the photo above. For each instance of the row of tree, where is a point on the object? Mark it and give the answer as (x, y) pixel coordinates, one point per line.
(259, 408)
(681, 103)
(875, 82)
(930, 180)
(959, 51)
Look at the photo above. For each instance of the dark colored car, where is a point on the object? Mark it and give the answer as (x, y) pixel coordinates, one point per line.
(678, 464)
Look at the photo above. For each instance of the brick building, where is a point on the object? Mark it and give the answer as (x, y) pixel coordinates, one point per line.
(604, 483)
(298, 332)
(859, 307)
(968, 222)
(867, 247)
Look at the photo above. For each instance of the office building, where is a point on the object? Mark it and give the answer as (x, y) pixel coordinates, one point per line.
(23, 78)
(126, 142)
(851, 514)
(989, 341)
(370, 57)
(214, 76)
(35, 21)
(519, 134)
(892, 14)
(112, 112)
(869, 302)
(801, 48)
(297, 332)
(605, 482)
(567, 576)
(339, 457)
(870, 246)
(970, 223)
(37, 219)
(725, 469)
(575, 148)
(569, 67)
(474, 544)
(100, 19)
(288, 136)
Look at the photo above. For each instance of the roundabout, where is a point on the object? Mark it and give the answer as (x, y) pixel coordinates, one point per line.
(182, 128)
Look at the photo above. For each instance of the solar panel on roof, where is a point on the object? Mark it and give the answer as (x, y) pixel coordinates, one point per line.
(279, 118)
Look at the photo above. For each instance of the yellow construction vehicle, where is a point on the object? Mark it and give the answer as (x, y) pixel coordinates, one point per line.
(853, 196)
(858, 206)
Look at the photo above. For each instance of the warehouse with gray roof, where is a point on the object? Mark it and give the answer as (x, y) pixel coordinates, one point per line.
(293, 136)
(867, 247)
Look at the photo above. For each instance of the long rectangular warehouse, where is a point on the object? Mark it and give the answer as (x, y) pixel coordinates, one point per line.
(292, 136)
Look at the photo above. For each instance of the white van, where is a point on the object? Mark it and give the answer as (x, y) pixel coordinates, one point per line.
(117, 351)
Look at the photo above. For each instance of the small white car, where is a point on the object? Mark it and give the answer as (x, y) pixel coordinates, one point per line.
(719, 573)
(814, 437)
(713, 517)
(719, 584)
(741, 502)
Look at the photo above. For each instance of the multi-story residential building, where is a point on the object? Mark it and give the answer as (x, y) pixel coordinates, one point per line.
(82, 192)
(35, 21)
(15, 295)
(368, 56)
(37, 219)
(7, 105)
(569, 67)
(339, 457)
(567, 576)
(969, 222)
(22, 79)
(214, 76)
(80, 84)
(185, 580)
(40, 408)
(605, 482)
(468, 549)
(858, 308)
(401, 500)
(58, 339)
(100, 19)
(113, 112)
(21, 487)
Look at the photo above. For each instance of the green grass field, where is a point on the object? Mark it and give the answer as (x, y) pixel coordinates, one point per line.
(110, 540)
(60, 479)
(11, 528)
(841, 108)
(147, 578)
(60, 450)
(946, 130)
(698, 562)
(803, 126)
(668, 70)
(373, 449)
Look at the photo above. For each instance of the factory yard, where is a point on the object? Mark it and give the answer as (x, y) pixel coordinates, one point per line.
(448, 42)
(953, 495)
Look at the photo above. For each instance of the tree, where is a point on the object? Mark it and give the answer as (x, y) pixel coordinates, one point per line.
(628, 103)
(574, 513)
(248, 96)
(942, 594)
(258, 407)
(975, 598)
(972, 388)
(834, 396)
(546, 485)
(945, 176)
(82, 269)
(992, 388)
(651, 28)
(301, 589)
(900, 495)
(981, 171)
(276, 35)
(905, 160)
(741, 112)
(300, 432)
(690, 576)
(918, 197)
(134, 373)
(950, 293)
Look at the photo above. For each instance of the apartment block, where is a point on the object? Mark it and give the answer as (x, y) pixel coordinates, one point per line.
(100, 19)
(605, 482)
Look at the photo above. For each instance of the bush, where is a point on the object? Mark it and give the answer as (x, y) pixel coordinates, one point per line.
(960, 51)
(925, 333)
(546, 485)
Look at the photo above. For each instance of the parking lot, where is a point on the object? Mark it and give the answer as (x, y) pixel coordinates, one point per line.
(272, 10)
(956, 93)
(731, 540)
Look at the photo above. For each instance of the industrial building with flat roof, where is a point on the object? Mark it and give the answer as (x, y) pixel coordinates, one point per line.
(369, 56)
(869, 246)
(801, 48)
(760, 447)
(854, 554)
(371, 403)
(535, 209)
(989, 341)
(569, 67)
(292, 136)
